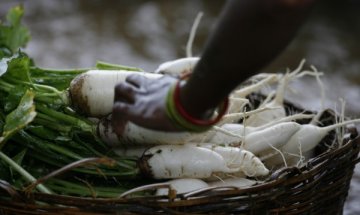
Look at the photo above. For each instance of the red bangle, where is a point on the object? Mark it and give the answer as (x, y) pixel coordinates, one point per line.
(200, 122)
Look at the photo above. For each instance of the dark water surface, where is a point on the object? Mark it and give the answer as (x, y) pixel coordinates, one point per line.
(70, 34)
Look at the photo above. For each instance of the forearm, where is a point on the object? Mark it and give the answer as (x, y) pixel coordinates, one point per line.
(249, 34)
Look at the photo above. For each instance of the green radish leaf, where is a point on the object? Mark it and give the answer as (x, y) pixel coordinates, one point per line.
(18, 68)
(12, 100)
(20, 117)
(13, 35)
(4, 64)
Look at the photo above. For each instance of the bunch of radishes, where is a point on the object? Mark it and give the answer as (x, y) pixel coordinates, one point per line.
(230, 151)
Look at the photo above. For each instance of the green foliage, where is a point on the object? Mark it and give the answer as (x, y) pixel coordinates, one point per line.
(41, 131)
(20, 117)
(18, 68)
(13, 35)
(13, 98)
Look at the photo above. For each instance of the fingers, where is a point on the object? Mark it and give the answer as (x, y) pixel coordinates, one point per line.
(125, 92)
(123, 112)
(120, 111)
(137, 80)
(118, 119)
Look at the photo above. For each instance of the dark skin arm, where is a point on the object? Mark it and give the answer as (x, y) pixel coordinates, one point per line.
(249, 34)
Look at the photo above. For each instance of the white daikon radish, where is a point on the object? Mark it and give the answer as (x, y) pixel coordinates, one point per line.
(304, 140)
(133, 134)
(92, 92)
(262, 141)
(235, 157)
(240, 129)
(272, 137)
(178, 67)
(182, 161)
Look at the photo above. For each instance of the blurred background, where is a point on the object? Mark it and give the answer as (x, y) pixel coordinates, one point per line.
(77, 33)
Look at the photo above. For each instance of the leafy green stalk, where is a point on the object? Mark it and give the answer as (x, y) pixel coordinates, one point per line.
(109, 66)
(60, 79)
(85, 189)
(40, 127)
(51, 124)
(43, 91)
(6, 86)
(74, 121)
(15, 77)
(46, 72)
(23, 172)
(41, 144)
(61, 155)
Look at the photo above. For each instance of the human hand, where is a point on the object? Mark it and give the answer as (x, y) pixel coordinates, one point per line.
(142, 101)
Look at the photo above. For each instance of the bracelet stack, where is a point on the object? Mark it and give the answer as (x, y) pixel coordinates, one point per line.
(184, 120)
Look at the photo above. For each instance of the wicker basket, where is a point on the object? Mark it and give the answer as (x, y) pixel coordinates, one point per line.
(320, 187)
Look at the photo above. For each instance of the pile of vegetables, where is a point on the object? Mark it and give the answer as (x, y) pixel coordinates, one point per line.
(56, 135)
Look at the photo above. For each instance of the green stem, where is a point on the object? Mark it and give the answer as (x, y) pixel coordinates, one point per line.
(88, 146)
(128, 173)
(59, 71)
(24, 173)
(46, 87)
(64, 151)
(132, 173)
(5, 86)
(38, 87)
(71, 188)
(52, 125)
(39, 95)
(49, 100)
(55, 148)
(110, 66)
(45, 117)
(45, 158)
(66, 118)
